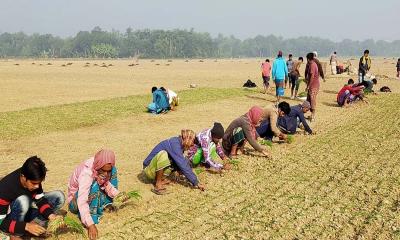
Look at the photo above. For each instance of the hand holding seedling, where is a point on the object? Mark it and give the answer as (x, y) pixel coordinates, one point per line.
(92, 232)
(34, 228)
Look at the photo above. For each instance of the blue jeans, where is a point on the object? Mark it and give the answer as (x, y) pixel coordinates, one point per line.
(24, 210)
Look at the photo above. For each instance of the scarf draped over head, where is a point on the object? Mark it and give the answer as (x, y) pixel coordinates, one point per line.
(254, 116)
(102, 158)
(187, 137)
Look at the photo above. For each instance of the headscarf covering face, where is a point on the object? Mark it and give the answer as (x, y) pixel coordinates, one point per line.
(187, 137)
(254, 116)
(102, 158)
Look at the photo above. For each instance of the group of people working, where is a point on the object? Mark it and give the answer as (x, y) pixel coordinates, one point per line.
(25, 208)
(283, 72)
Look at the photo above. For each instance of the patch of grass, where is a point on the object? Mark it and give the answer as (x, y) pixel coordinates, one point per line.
(290, 139)
(16, 124)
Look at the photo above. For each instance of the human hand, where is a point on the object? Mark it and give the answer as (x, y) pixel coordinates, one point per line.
(34, 228)
(92, 232)
(201, 187)
(227, 166)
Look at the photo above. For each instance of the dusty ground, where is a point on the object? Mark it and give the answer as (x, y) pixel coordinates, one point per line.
(341, 183)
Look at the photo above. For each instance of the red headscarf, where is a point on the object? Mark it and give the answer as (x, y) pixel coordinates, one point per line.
(254, 116)
(102, 158)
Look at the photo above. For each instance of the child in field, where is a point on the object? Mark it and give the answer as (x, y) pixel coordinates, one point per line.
(208, 148)
(294, 75)
(168, 156)
(290, 122)
(266, 74)
(19, 191)
(242, 130)
(269, 125)
(398, 68)
(91, 189)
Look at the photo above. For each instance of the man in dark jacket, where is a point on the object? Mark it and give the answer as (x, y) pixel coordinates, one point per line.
(295, 118)
(363, 66)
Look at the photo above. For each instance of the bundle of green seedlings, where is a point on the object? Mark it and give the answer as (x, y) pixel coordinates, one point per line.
(198, 170)
(302, 94)
(234, 163)
(367, 91)
(266, 143)
(125, 198)
(290, 138)
(67, 223)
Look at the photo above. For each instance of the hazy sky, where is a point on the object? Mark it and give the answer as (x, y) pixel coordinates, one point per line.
(354, 19)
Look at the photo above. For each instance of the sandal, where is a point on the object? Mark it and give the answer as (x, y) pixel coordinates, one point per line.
(159, 191)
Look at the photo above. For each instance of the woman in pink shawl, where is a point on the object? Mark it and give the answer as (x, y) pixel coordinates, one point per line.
(92, 187)
(242, 130)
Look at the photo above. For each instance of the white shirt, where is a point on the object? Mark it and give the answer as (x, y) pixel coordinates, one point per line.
(171, 95)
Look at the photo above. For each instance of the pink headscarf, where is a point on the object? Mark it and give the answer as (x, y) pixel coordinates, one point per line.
(254, 116)
(102, 158)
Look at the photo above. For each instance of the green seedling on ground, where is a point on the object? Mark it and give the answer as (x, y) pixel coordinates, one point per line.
(302, 94)
(290, 139)
(67, 223)
(198, 170)
(126, 197)
(266, 143)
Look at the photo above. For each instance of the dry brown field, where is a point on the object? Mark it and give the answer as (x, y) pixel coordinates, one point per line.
(342, 183)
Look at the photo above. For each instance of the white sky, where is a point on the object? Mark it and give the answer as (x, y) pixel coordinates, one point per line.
(353, 19)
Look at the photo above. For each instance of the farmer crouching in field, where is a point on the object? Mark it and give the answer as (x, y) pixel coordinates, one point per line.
(172, 96)
(21, 189)
(269, 125)
(242, 130)
(91, 189)
(290, 122)
(160, 102)
(168, 156)
(208, 148)
(350, 93)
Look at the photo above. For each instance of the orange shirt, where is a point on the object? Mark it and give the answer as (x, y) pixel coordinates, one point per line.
(266, 69)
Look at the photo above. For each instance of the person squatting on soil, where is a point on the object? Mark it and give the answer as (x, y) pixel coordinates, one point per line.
(242, 130)
(91, 189)
(173, 99)
(312, 76)
(21, 189)
(364, 66)
(208, 148)
(160, 103)
(279, 74)
(166, 157)
(266, 74)
(295, 119)
(269, 125)
(350, 93)
(289, 64)
(294, 75)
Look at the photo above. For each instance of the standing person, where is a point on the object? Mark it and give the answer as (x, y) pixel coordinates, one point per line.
(168, 156)
(266, 74)
(312, 83)
(289, 64)
(398, 68)
(208, 147)
(279, 74)
(363, 66)
(294, 77)
(242, 130)
(21, 189)
(91, 189)
(333, 62)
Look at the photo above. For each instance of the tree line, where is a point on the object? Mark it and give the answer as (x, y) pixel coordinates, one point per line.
(178, 44)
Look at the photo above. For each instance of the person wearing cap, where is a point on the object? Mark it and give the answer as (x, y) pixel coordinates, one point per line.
(208, 148)
(91, 189)
(290, 122)
(279, 74)
(167, 156)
